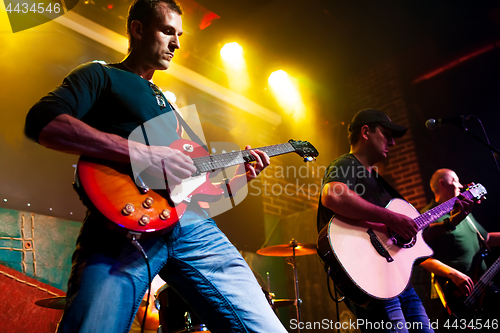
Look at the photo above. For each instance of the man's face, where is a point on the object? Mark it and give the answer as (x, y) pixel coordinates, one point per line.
(381, 140)
(450, 185)
(160, 38)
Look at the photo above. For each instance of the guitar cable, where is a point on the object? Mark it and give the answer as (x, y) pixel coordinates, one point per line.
(335, 299)
(138, 246)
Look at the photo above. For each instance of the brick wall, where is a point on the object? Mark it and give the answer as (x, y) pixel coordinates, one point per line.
(379, 88)
(282, 196)
(382, 88)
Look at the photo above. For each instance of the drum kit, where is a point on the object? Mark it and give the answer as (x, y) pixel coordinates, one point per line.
(291, 250)
(177, 317)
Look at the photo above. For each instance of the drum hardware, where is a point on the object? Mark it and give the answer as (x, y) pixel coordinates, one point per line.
(287, 250)
(278, 303)
(175, 315)
(291, 250)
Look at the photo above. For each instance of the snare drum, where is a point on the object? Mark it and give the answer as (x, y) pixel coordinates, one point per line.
(175, 315)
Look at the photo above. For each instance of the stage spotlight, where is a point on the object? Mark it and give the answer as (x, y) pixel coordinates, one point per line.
(280, 80)
(235, 67)
(232, 53)
(287, 94)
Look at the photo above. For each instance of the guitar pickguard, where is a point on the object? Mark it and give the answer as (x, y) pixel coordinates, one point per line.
(182, 191)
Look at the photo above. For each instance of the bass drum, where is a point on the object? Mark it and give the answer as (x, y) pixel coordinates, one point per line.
(175, 315)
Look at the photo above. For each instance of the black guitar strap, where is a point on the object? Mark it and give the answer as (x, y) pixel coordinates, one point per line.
(189, 130)
(388, 187)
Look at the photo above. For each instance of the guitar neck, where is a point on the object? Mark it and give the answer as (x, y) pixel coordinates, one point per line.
(483, 282)
(220, 161)
(435, 213)
(490, 273)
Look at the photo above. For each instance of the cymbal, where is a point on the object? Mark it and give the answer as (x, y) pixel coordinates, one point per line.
(286, 250)
(57, 303)
(278, 303)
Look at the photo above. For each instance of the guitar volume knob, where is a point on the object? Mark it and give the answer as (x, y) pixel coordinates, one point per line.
(128, 209)
(165, 214)
(188, 148)
(148, 202)
(144, 220)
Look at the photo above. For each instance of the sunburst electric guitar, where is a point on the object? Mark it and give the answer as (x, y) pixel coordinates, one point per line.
(111, 190)
(368, 260)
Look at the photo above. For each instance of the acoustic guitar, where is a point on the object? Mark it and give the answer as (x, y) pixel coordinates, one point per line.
(368, 260)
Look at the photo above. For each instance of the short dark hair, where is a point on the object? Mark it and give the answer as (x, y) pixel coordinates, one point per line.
(144, 11)
(353, 133)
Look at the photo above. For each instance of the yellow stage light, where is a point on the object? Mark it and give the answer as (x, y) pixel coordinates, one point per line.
(287, 94)
(235, 67)
(279, 78)
(232, 53)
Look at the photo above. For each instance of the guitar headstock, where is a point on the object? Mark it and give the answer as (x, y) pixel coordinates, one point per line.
(477, 191)
(305, 150)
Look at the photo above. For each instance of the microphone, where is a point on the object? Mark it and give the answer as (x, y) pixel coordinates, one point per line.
(454, 120)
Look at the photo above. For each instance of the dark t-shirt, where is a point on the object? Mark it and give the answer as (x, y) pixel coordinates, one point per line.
(368, 185)
(107, 98)
(114, 101)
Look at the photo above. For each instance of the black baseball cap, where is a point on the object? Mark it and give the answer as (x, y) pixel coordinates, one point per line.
(372, 116)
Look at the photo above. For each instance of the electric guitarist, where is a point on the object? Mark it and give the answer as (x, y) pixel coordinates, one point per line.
(92, 113)
(455, 248)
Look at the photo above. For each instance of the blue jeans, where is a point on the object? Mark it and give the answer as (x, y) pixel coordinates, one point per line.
(196, 259)
(401, 314)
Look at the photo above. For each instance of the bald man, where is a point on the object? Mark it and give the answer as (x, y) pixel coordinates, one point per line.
(454, 243)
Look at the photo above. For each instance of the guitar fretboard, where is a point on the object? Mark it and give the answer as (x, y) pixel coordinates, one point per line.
(435, 213)
(490, 273)
(215, 162)
(483, 283)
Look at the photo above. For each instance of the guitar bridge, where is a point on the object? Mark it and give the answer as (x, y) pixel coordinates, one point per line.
(378, 246)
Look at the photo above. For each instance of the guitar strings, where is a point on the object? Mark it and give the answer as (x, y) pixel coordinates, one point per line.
(214, 162)
(433, 214)
(481, 284)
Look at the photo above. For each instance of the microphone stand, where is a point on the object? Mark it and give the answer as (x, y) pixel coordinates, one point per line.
(466, 130)
(480, 140)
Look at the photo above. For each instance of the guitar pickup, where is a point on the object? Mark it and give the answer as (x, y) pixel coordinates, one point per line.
(378, 246)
